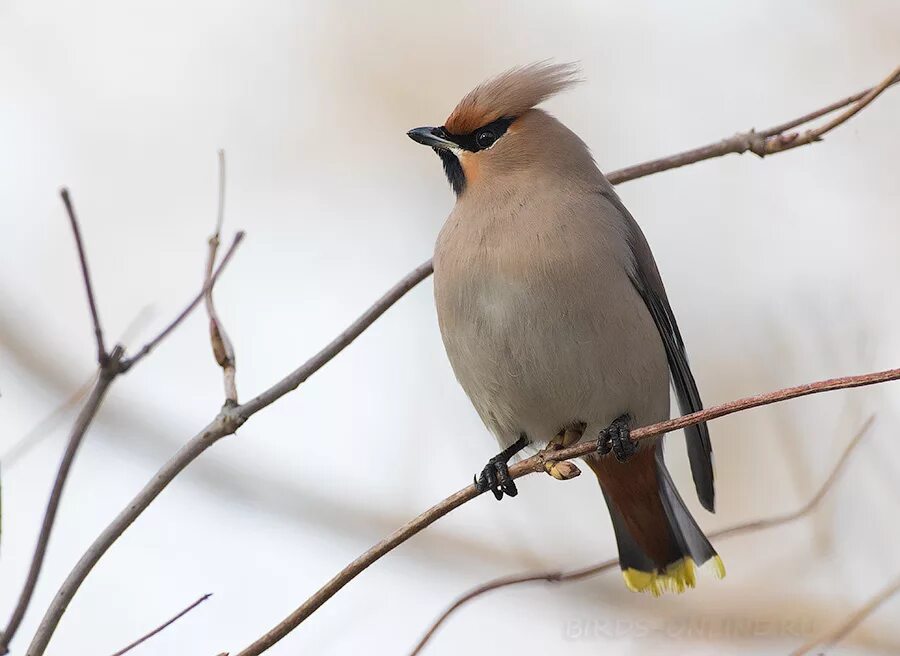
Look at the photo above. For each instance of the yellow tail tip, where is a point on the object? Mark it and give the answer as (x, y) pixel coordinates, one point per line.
(677, 577)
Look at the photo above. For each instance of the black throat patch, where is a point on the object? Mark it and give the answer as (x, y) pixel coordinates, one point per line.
(453, 169)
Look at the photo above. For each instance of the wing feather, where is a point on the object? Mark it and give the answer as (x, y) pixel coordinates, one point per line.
(649, 285)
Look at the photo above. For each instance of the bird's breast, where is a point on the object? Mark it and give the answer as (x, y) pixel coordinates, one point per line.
(541, 321)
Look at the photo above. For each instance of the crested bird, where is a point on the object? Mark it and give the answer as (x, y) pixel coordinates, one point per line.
(556, 322)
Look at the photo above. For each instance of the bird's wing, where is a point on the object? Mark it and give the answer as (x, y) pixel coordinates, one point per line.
(649, 285)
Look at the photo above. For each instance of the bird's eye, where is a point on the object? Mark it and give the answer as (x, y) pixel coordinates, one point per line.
(485, 139)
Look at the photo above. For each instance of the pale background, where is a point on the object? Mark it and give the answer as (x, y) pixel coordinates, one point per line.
(781, 272)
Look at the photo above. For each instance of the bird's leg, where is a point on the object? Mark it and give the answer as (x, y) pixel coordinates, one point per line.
(563, 471)
(617, 438)
(495, 475)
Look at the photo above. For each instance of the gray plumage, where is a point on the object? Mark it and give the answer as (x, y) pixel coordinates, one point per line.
(649, 285)
(553, 312)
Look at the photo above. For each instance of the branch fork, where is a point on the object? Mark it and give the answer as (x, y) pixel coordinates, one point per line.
(110, 365)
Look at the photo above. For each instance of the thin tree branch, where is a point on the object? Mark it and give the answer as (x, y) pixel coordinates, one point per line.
(834, 636)
(816, 134)
(818, 113)
(111, 365)
(127, 363)
(743, 528)
(230, 418)
(101, 386)
(293, 380)
(533, 465)
(225, 423)
(762, 143)
(102, 354)
(163, 626)
(220, 211)
(222, 348)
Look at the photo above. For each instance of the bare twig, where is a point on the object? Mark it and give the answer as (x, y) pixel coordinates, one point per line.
(162, 626)
(220, 211)
(222, 348)
(559, 576)
(127, 363)
(816, 134)
(834, 636)
(225, 423)
(102, 354)
(818, 113)
(101, 386)
(111, 365)
(293, 380)
(230, 419)
(765, 142)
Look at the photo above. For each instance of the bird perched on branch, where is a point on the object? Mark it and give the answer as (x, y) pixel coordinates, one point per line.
(556, 321)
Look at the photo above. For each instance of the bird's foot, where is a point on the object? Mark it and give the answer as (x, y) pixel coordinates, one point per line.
(495, 475)
(617, 439)
(564, 470)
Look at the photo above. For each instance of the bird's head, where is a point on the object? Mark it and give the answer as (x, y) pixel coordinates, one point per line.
(494, 128)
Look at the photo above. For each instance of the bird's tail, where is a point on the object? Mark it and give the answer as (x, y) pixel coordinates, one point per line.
(660, 544)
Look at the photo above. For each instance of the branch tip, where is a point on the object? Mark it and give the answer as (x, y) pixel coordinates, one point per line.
(102, 355)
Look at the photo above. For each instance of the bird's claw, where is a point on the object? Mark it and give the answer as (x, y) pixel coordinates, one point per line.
(617, 439)
(495, 475)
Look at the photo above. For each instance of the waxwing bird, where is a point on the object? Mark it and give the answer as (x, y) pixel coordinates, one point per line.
(556, 321)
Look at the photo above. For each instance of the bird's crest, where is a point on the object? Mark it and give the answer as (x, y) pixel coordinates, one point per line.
(509, 95)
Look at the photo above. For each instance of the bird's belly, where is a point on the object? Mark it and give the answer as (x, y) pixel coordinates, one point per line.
(533, 357)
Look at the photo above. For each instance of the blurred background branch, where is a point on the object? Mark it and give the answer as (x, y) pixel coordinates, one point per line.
(834, 636)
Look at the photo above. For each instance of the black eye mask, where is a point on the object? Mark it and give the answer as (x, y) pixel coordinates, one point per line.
(480, 139)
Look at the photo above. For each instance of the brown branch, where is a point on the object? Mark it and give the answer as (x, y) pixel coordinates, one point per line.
(834, 636)
(230, 419)
(293, 380)
(559, 576)
(102, 355)
(111, 365)
(536, 462)
(222, 348)
(127, 363)
(816, 134)
(765, 142)
(163, 626)
(88, 411)
(533, 465)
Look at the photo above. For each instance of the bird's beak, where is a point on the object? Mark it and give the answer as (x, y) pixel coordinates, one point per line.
(434, 137)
